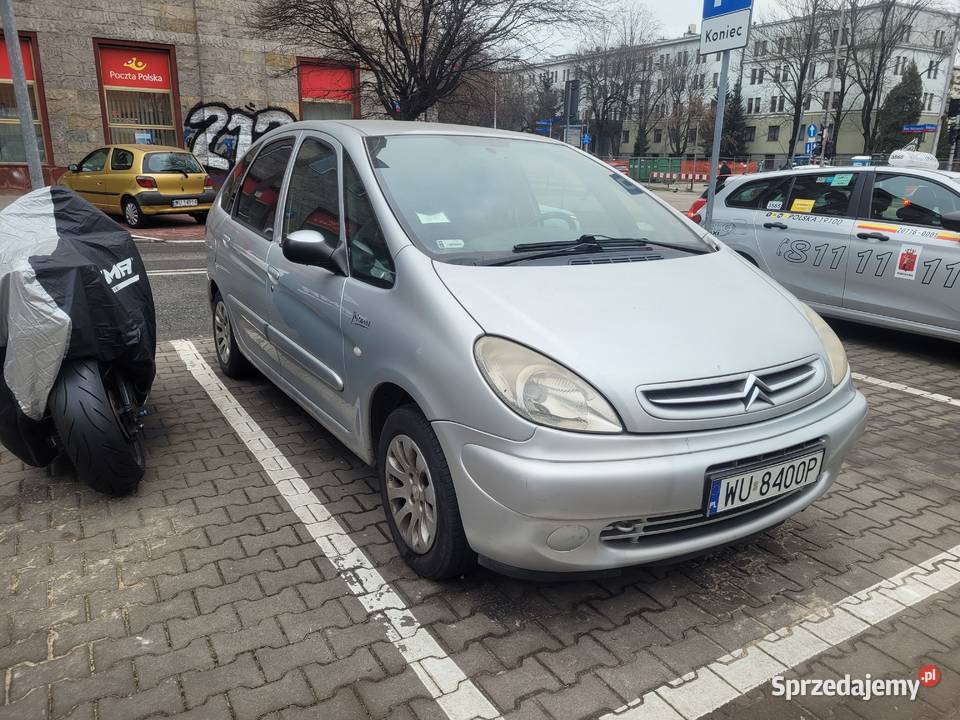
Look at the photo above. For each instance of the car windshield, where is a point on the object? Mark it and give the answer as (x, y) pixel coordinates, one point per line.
(474, 198)
(171, 162)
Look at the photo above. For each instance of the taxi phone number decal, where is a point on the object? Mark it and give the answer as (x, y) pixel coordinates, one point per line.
(907, 265)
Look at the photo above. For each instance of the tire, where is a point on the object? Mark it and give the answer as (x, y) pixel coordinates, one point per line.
(132, 214)
(200, 217)
(229, 357)
(446, 553)
(85, 414)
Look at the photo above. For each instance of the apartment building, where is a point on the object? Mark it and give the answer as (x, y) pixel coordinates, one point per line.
(929, 43)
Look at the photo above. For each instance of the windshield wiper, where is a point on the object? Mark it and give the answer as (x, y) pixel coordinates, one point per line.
(601, 242)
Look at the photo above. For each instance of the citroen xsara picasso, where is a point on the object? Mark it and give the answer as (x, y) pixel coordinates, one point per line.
(551, 369)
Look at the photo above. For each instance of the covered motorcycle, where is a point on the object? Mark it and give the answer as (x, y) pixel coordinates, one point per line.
(77, 338)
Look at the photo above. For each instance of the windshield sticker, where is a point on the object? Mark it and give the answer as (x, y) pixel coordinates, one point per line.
(450, 244)
(842, 180)
(775, 205)
(434, 219)
(907, 262)
(802, 206)
(823, 179)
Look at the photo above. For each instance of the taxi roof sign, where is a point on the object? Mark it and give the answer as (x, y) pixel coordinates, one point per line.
(913, 159)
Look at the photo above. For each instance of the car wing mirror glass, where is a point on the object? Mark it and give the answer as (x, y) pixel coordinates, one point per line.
(73, 167)
(310, 247)
(951, 221)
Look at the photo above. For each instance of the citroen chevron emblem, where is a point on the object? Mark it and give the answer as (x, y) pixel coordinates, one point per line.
(755, 389)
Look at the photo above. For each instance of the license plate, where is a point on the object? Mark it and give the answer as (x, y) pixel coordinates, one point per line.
(763, 483)
(185, 203)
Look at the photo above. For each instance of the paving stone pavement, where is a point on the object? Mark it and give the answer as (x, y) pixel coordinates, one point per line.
(204, 596)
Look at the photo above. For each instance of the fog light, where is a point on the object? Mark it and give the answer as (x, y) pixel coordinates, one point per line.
(568, 537)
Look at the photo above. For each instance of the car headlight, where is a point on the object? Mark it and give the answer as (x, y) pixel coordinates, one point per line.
(831, 343)
(542, 390)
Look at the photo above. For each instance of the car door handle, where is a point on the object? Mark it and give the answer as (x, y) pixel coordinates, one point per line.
(873, 236)
(226, 240)
(775, 226)
(273, 276)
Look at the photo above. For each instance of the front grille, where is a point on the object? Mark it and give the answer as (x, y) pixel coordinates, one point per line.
(634, 530)
(735, 395)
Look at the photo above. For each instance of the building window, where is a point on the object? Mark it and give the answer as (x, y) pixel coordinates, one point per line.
(328, 92)
(717, 57)
(658, 135)
(625, 138)
(906, 34)
(750, 133)
(716, 79)
(11, 140)
(773, 133)
(939, 38)
(807, 101)
(138, 95)
(933, 69)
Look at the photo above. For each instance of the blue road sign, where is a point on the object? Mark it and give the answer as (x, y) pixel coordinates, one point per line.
(812, 130)
(809, 148)
(924, 128)
(586, 139)
(712, 8)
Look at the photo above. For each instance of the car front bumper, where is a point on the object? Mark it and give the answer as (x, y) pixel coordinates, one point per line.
(540, 505)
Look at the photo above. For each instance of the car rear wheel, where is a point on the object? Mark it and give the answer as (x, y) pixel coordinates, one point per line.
(132, 214)
(419, 498)
(229, 357)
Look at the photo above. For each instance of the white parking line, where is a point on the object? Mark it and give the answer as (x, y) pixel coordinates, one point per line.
(945, 399)
(713, 686)
(187, 271)
(456, 695)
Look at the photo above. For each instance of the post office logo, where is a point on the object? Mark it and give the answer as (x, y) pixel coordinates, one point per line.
(135, 64)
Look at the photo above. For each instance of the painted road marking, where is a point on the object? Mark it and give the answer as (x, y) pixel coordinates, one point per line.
(163, 273)
(456, 695)
(727, 678)
(945, 399)
(148, 238)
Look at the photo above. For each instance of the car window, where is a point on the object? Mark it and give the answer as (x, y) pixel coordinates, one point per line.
(313, 195)
(765, 194)
(910, 199)
(822, 194)
(370, 259)
(260, 190)
(171, 162)
(95, 161)
(230, 186)
(121, 159)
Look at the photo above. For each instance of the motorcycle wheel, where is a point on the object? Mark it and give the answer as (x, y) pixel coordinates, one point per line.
(96, 421)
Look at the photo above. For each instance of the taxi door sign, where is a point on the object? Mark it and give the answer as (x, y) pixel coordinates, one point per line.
(907, 262)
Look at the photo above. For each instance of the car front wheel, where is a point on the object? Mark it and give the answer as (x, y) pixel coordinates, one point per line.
(419, 498)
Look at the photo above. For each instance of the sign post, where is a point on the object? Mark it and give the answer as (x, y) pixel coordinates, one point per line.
(725, 27)
(21, 93)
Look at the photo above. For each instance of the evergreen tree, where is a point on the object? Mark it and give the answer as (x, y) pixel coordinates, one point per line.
(902, 106)
(641, 145)
(733, 140)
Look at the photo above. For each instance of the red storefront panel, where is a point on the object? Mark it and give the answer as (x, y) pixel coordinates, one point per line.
(327, 82)
(5, 73)
(132, 68)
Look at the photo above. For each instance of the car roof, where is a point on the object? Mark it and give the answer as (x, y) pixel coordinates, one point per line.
(148, 148)
(406, 127)
(816, 170)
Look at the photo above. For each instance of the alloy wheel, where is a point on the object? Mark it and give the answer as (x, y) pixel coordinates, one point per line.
(410, 492)
(131, 214)
(221, 332)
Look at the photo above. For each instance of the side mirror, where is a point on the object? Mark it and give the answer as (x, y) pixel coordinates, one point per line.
(73, 167)
(309, 247)
(951, 221)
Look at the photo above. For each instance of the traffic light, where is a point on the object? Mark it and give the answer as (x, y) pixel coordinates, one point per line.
(953, 108)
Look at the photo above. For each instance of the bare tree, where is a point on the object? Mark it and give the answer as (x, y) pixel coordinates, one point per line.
(684, 95)
(610, 65)
(650, 92)
(790, 51)
(414, 52)
(877, 28)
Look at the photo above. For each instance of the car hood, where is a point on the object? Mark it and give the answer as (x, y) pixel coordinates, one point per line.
(625, 325)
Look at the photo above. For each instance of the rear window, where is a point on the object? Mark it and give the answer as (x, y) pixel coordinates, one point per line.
(765, 194)
(171, 162)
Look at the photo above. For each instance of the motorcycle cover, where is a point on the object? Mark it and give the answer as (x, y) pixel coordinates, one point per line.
(72, 285)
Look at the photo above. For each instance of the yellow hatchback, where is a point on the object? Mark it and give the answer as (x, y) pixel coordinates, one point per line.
(137, 181)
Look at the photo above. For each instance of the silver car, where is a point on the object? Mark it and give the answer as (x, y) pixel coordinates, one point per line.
(551, 369)
(878, 245)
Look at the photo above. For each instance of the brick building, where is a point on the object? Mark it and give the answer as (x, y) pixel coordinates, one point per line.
(183, 72)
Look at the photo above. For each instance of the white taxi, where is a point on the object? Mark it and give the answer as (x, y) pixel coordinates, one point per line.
(878, 245)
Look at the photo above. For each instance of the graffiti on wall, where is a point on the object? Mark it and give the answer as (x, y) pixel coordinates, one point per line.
(219, 134)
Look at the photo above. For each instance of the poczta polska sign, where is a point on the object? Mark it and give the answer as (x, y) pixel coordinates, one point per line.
(726, 25)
